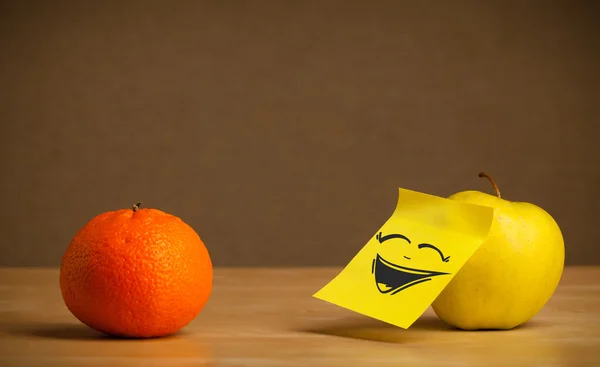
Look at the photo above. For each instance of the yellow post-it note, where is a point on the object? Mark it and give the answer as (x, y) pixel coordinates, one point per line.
(407, 263)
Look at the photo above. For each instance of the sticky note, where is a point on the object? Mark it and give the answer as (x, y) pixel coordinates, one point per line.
(407, 263)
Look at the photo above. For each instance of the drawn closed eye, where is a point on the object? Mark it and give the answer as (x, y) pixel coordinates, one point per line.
(381, 238)
(427, 245)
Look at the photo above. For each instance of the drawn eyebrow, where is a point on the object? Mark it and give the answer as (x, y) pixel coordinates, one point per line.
(427, 245)
(382, 239)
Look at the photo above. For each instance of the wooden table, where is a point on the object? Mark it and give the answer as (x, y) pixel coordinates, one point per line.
(267, 317)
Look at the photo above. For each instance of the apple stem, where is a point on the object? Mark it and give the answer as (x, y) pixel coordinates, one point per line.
(483, 174)
(136, 206)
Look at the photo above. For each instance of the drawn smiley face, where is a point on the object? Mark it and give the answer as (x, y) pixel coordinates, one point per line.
(391, 278)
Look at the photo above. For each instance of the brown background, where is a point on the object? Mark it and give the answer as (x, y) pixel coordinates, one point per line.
(281, 130)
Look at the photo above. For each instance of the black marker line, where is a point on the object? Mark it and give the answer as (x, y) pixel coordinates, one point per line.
(382, 239)
(410, 285)
(418, 271)
(427, 245)
(373, 267)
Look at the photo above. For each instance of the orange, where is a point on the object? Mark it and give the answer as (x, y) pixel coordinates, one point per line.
(136, 273)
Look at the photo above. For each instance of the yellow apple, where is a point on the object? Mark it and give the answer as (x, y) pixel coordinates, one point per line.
(512, 275)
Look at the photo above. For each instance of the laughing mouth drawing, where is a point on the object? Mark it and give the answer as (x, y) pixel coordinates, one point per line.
(391, 278)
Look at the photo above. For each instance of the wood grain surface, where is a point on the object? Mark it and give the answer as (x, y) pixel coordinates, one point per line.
(267, 317)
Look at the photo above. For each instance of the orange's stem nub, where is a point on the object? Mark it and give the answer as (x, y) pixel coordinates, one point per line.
(483, 174)
(136, 206)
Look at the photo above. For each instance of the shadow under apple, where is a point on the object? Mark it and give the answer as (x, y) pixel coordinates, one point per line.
(374, 330)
